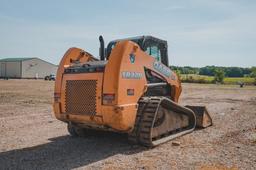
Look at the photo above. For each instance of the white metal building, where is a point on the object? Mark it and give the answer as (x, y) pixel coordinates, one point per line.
(26, 68)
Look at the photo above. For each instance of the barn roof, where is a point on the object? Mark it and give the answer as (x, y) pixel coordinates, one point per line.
(14, 59)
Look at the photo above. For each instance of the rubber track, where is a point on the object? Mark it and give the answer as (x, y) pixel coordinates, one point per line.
(145, 118)
(147, 111)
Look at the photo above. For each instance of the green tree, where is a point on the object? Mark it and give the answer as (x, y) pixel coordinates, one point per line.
(234, 72)
(208, 70)
(219, 75)
(178, 73)
(253, 74)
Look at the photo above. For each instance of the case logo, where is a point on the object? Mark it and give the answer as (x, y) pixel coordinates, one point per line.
(162, 69)
(132, 58)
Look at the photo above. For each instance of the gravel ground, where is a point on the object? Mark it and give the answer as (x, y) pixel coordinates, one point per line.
(31, 138)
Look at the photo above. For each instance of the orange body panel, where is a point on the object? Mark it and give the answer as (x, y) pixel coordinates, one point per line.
(121, 113)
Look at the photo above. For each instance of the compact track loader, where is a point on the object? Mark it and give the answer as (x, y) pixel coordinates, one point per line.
(130, 89)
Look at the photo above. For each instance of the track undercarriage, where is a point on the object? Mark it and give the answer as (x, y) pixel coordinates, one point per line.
(159, 120)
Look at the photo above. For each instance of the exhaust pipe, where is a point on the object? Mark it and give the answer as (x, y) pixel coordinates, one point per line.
(102, 48)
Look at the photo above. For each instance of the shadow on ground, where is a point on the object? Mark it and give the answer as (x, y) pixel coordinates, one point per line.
(65, 152)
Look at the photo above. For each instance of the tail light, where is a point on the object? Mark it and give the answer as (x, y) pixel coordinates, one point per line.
(108, 99)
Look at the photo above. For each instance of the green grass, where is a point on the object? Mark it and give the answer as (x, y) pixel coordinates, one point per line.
(194, 78)
(234, 80)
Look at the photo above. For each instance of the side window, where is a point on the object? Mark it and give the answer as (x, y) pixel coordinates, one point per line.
(113, 45)
(154, 52)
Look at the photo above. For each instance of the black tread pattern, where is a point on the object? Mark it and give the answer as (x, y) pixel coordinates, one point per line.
(146, 115)
(147, 109)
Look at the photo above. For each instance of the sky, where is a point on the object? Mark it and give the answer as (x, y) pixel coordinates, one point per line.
(199, 32)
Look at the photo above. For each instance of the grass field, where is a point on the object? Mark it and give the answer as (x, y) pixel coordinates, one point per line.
(194, 78)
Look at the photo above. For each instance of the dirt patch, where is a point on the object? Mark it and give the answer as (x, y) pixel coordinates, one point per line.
(31, 137)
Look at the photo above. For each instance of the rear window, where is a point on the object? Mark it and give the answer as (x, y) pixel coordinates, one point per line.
(154, 52)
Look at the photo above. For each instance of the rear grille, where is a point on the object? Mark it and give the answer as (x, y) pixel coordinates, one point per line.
(81, 97)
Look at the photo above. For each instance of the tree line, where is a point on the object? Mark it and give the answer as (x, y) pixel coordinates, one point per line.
(211, 71)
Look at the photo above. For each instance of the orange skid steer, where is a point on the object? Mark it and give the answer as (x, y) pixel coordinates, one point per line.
(130, 89)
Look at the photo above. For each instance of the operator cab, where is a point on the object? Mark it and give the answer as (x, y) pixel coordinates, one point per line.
(154, 47)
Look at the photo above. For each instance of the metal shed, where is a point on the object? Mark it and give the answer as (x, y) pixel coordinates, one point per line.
(26, 68)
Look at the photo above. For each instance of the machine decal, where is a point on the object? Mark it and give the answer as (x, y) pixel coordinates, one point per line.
(132, 58)
(131, 75)
(162, 69)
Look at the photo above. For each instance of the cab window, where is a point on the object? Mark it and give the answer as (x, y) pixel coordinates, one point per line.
(154, 52)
